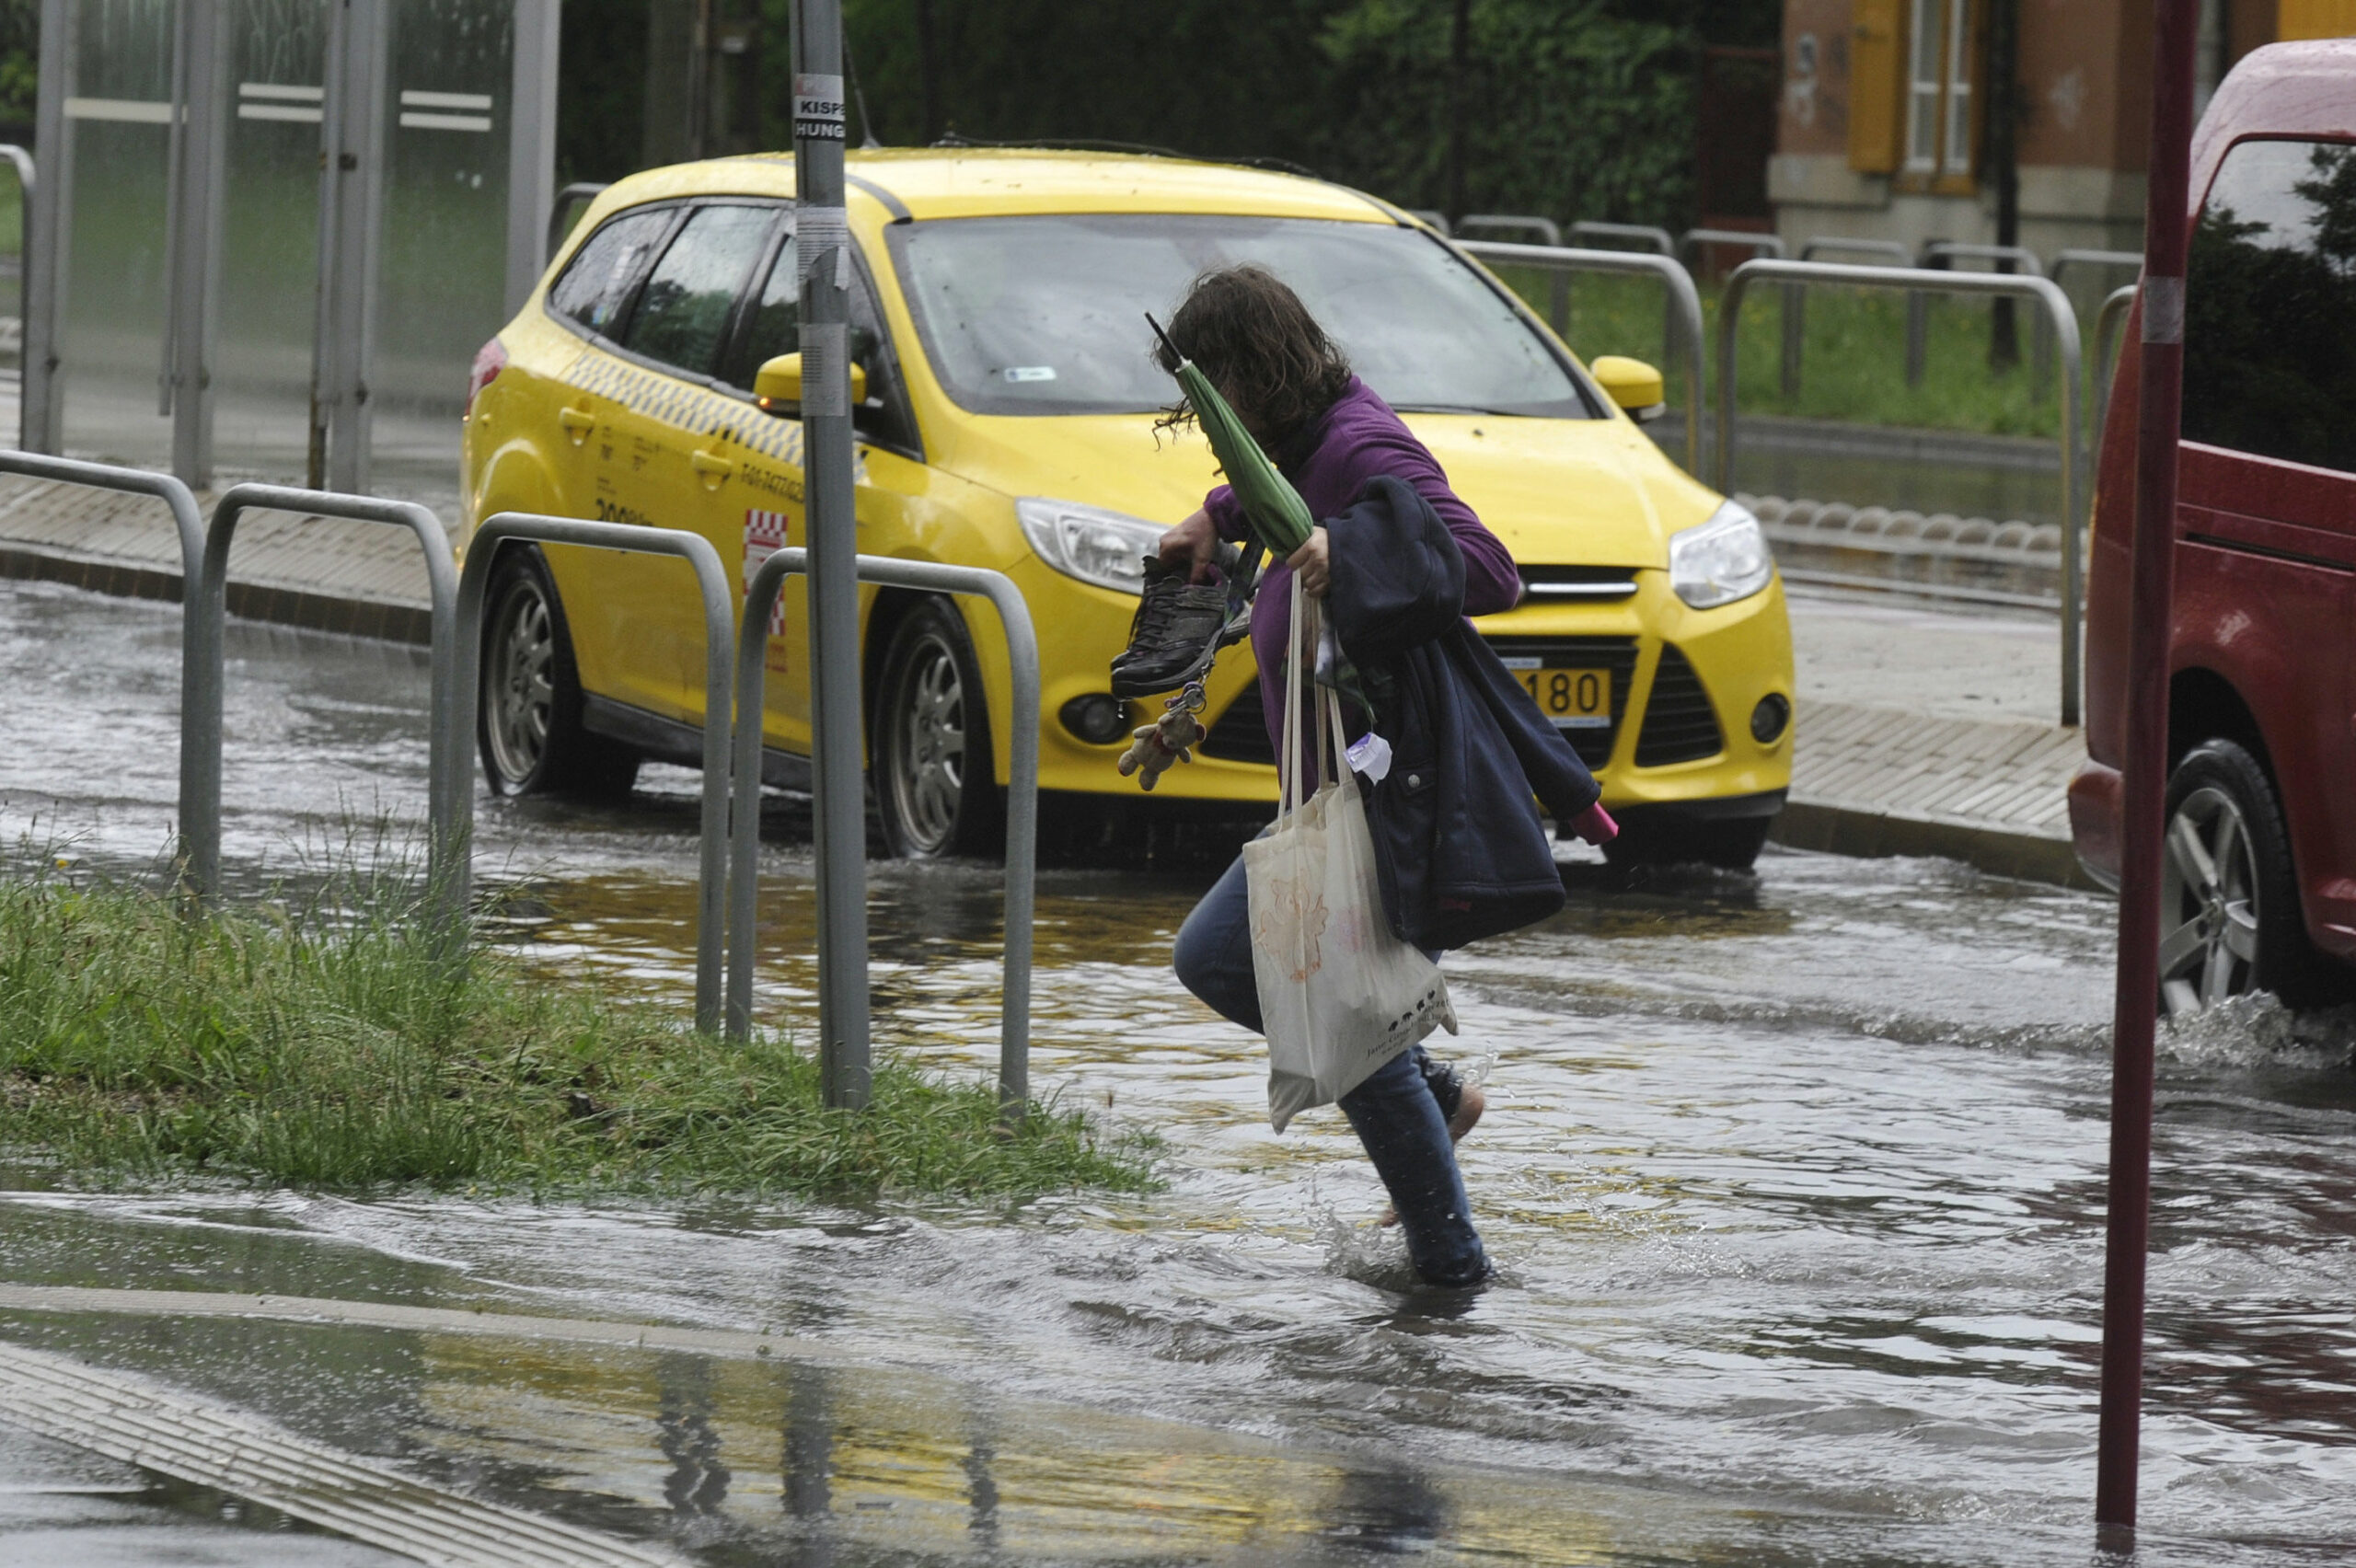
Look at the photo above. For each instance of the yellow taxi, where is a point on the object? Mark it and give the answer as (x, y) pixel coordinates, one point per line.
(1008, 421)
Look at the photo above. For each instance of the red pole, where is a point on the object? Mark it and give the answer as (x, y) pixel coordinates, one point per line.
(2159, 404)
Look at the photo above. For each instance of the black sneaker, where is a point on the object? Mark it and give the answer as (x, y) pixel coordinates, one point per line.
(1179, 629)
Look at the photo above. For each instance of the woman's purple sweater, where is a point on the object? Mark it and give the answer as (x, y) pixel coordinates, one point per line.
(1355, 439)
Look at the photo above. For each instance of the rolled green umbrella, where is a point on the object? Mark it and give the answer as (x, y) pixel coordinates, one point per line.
(1274, 511)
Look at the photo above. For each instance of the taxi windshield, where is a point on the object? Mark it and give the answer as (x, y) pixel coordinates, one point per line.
(1046, 315)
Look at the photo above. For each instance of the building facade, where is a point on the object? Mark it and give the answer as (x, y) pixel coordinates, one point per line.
(1881, 131)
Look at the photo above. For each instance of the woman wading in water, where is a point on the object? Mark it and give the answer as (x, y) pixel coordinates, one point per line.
(1334, 439)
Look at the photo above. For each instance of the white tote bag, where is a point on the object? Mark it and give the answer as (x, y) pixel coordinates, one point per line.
(1339, 993)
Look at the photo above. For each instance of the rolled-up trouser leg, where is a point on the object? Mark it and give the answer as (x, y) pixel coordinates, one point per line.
(1399, 1121)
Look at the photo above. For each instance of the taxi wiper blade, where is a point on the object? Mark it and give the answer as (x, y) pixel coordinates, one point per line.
(1451, 408)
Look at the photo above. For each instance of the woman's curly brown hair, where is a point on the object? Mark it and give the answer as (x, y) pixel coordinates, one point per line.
(1249, 333)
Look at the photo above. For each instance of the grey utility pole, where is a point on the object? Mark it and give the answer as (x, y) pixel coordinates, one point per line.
(822, 237)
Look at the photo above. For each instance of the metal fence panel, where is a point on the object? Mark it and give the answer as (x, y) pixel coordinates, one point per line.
(202, 699)
(2056, 305)
(190, 525)
(719, 623)
(1683, 312)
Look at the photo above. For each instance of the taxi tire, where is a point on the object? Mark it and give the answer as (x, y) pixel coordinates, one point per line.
(927, 665)
(570, 760)
(1728, 844)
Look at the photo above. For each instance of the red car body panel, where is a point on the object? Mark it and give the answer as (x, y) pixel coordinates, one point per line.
(2265, 563)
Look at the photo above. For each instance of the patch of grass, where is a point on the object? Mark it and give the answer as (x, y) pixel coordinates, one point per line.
(1853, 367)
(334, 1047)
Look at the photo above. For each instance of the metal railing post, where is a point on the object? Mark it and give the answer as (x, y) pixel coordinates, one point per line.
(2065, 335)
(1795, 299)
(1683, 309)
(207, 611)
(1022, 791)
(48, 221)
(2108, 319)
(22, 162)
(200, 868)
(719, 625)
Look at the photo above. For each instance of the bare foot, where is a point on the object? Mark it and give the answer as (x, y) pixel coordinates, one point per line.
(1467, 1116)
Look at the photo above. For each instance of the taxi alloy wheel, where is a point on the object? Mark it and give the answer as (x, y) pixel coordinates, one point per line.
(519, 686)
(935, 791)
(528, 718)
(2227, 889)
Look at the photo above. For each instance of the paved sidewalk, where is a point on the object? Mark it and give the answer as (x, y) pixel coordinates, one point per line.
(1921, 730)
(323, 572)
(1927, 731)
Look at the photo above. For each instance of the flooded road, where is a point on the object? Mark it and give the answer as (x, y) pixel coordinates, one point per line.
(1794, 1182)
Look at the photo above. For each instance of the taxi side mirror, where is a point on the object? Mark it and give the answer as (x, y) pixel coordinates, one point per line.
(1631, 383)
(777, 386)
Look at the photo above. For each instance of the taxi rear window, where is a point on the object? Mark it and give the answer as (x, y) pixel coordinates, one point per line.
(596, 284)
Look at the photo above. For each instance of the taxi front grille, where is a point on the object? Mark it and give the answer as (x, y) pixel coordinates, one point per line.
(1680, 724)
(1241, 732)
(1617, 654)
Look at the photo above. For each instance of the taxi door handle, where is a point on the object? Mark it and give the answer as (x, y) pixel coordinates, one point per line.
(577, 423)
(712, 465)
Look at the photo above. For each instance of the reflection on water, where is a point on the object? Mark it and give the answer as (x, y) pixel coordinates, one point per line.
(1796, 1180)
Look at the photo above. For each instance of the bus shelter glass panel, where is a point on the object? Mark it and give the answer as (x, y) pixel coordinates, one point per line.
(270, 239)
(114, 266)
(443, 283)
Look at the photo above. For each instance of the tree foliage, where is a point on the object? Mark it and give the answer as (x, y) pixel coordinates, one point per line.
(1575, 107)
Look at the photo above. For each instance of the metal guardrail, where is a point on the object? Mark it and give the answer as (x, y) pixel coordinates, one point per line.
(190, 524)
(1657, 238)
(718, 624)
(1683, 312)
(1889, 248)
(2065, 333)
(1425, 214)
(1935, 254)
(2108, 319)
(1548, 231)
(207, 613)
(1795, 297)
(1694, 238)
(1022, 802)
(2065, 260)
(560, 212)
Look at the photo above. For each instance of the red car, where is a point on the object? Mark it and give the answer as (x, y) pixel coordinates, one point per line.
(2259, 889)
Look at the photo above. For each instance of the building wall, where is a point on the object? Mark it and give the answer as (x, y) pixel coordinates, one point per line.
(2084, 83)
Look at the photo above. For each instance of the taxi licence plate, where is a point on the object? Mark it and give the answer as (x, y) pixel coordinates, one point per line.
(1573, 697)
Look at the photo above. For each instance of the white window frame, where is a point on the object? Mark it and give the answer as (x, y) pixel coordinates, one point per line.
(1939, 89)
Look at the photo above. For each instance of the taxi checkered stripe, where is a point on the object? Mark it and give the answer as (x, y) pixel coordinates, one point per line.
(686, 408)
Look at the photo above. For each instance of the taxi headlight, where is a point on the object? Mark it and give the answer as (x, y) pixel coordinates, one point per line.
(1721, 560)
(1107, 549)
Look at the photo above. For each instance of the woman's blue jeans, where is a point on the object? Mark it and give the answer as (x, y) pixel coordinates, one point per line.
(1398, 1112)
